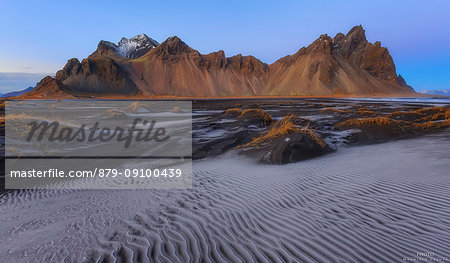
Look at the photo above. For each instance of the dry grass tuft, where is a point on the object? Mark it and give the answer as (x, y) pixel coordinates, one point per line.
(446, 123)
(403, 113)
(2, 120)
(313, 134)
(113, 113)
(441, 114)
(366, 112)
(435, 117)
(256, 114)
(233, 111)
(429, 125)
(431, 110)
(176, 109)
(334, 110)
(424, 126)
(21, 117)
(284, 127)
(367, 122)
(20, 122)
(134, 106)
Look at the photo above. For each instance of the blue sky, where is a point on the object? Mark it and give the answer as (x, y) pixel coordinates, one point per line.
(40, 36)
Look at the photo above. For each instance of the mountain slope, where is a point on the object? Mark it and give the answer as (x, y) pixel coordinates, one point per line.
(343, 65)
(173, 68)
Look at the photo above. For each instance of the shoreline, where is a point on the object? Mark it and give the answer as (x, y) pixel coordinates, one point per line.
(182, 98)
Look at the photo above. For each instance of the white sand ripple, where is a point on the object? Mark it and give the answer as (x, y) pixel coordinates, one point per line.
(377, 203)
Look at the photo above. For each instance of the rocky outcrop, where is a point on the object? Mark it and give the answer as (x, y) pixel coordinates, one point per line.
(96, 75)
(49, 87)
(106, 49)
(293, 148)
(373, 58)
(343, 65)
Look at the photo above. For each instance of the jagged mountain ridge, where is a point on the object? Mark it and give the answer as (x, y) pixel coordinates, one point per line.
(343, 65)
(128, 48)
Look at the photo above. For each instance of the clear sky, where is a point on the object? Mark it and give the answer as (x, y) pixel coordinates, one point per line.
(39, 36)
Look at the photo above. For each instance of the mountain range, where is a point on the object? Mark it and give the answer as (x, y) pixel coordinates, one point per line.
(344, 65)
(16, 93)
(441, 92)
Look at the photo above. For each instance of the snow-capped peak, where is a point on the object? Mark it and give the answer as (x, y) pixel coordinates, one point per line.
(443, 92)
(135, 46)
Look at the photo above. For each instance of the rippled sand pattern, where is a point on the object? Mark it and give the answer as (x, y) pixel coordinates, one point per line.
(377, 203)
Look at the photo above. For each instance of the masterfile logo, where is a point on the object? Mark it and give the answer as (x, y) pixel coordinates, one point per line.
(98, 144)
(53, 132)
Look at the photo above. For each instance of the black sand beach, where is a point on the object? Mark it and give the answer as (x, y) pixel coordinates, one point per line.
(380, 197)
